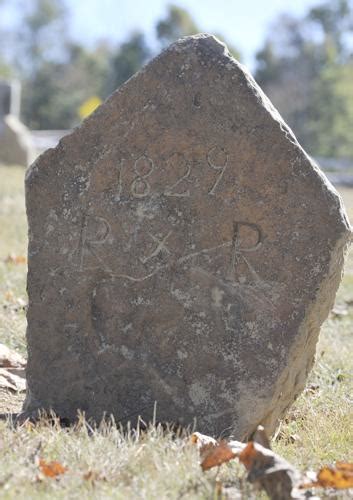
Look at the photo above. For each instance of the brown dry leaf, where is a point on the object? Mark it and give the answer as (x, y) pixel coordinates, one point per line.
(16, 259)
(10, 359)
(217, 455)
(270, 471)
(248, 455)
(339, 477)
(51, 469)
(9, 296)
(203, 443)
(345, 466)
(10, 380)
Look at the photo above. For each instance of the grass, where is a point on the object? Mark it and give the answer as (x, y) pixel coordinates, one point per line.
(105, 463)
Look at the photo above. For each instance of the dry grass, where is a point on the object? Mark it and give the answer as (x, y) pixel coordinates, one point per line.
(108, 464)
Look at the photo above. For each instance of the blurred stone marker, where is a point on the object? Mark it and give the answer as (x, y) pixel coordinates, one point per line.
(5, 96)
(16, 146)
(183, 249)
(10, 98)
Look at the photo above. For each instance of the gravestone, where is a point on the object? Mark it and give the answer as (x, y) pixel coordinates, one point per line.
(5, 98)
(183, 250)
(16, 147)
(10, 98)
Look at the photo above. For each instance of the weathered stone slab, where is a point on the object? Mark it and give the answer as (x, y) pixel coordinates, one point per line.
(183, 249)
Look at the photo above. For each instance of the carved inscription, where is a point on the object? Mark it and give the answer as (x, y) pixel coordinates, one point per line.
(247, 238)
(239, 248)
(143, 168)
(217, 159)
(173, 162)
(94, 232)
(120, 179)
(137, 176)
(160, 247)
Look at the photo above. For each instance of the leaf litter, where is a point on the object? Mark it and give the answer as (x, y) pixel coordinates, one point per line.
(269, 471)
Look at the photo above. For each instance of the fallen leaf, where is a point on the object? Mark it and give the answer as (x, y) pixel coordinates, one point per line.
(10, 359)
(15, 259)
(339, 477)
(9, 296)
(9, 380)
(51, 469)
(217, 455)
(212, 452)
(203, 443)
(270, 471)
(345, 466)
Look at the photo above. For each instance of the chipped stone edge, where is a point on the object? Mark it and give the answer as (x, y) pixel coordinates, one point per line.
(293, 378)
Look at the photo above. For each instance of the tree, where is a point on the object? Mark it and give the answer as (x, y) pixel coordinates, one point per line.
(176, 24)
(5, 68)
(56, 91)
(331, 112)
(302, 66)
(43, 34)
(335, 19)
(131, 55)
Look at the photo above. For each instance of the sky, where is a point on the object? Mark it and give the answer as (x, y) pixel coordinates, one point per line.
(243, 23)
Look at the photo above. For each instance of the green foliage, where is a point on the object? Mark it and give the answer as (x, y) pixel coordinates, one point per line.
(43, 13)
(331, 111)
(305, 67)
(176, 24)
(43, 34)
(335, 18)
(59, 75)
(131, 55)
(56, 91)
(5, 69)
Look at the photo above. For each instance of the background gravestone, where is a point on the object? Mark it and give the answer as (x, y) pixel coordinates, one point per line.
(182, 249)
(16, 147)
(5, 97)
(10, 98)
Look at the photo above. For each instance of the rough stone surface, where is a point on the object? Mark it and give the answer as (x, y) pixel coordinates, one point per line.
(183, 249)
